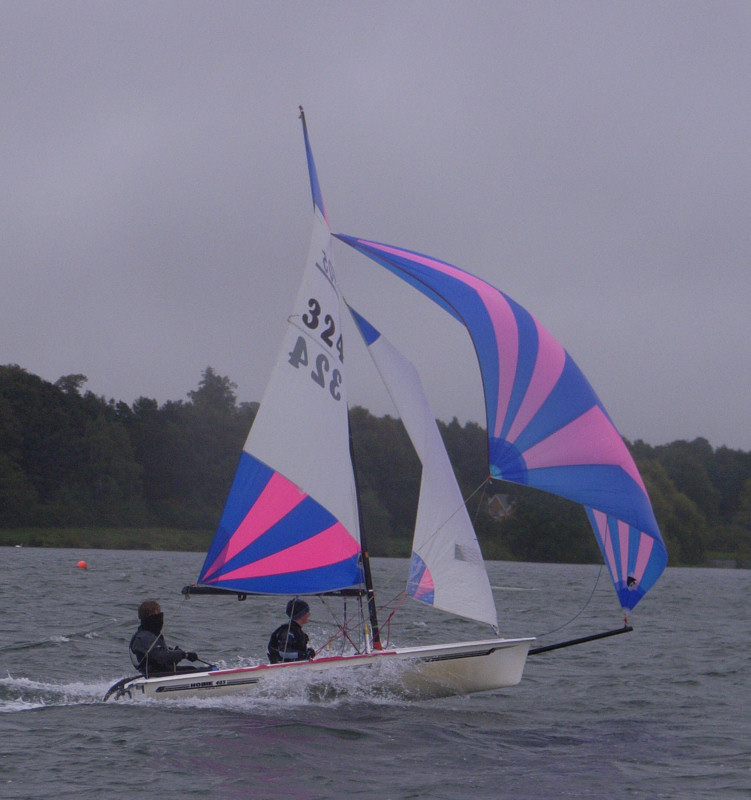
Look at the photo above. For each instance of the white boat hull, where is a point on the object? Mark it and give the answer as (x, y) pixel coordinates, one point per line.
(425, 671)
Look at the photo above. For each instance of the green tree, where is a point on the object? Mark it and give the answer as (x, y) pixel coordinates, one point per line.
(681, 523)
(18, 498)
(66, 458)
(546, 528)
(729, 472)
(468, 451)
(71, 384)
(215, 394)
(743, 514)
(688, 464)
(386, 465)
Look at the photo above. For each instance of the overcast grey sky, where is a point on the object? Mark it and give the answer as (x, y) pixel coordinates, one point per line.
(590, 159)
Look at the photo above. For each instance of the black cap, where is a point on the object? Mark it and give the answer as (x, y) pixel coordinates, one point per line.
(297, 609)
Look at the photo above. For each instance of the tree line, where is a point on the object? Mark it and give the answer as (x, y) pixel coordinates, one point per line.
(69, 458)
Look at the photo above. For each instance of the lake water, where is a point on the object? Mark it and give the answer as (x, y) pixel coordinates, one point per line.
(662, 712)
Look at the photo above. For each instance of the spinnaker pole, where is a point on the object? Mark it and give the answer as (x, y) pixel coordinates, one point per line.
(593, 637)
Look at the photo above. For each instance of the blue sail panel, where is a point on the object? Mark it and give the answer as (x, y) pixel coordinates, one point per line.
(274, 538)
(546, 426)
(634, 559)
(420, 582)
(315, 186)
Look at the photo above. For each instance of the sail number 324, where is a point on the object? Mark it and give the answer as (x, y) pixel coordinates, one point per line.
(321, 372)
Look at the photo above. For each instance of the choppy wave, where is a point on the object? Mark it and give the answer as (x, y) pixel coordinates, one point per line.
(54, 639)
(659, 712)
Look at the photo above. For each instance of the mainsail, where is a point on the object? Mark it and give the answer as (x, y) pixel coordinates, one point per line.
(447, 570)
(546, 426)
(290, 524)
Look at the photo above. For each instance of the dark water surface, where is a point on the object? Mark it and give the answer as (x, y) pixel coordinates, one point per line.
(662, 712)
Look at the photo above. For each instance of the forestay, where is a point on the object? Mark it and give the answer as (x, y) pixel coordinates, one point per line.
(447, 569)
(546, 426)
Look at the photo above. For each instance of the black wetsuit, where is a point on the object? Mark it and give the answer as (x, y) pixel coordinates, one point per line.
(151, 654)
(289, 642)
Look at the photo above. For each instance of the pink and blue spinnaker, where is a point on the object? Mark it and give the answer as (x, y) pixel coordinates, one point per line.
(546, 426)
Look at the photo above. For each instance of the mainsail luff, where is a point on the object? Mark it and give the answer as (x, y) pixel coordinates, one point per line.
(290, 525)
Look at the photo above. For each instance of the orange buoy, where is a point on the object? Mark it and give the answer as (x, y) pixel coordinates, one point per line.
(82, 565)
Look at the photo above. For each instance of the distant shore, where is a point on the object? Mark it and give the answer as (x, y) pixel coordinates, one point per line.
(153, 538)
(109, 538)
(198, 541)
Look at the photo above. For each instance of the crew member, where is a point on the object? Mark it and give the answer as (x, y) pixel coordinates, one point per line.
(149, 652)
(289, 642)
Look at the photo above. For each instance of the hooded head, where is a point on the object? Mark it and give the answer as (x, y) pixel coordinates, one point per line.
(147, 609)
(151, 616)
(297, 609)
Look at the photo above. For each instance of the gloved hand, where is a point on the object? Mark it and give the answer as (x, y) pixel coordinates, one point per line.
(191, 656)
(311, 653)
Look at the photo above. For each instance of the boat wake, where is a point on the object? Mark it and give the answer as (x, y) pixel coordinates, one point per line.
(25, 694)
(379, 685)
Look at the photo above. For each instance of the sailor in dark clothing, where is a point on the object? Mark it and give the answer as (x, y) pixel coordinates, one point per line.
(289, 642)
(148, 649)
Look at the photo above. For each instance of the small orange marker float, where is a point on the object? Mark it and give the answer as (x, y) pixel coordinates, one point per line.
(82, 565)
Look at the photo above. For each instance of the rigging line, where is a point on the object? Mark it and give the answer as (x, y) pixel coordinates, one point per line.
(465, 503)
(345, 629)
(483, 486)
(397, 598)
(342, 629)
(387, 623)
(579, 613)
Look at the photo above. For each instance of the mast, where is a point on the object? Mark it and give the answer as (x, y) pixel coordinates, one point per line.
(318, 204)
(367, 575)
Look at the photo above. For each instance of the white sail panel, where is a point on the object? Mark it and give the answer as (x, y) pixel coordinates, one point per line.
(447, 566)
(302, 428)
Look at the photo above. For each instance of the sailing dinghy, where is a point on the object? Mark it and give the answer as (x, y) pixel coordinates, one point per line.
(291, 525)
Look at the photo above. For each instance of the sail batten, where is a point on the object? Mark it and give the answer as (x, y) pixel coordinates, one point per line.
(546, 426)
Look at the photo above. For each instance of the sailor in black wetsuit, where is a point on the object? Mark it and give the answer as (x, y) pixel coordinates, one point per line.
(289, 642)
(149, 651)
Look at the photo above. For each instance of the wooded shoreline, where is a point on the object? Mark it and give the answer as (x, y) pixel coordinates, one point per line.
(108, 538)
(77, 470)
(167, 539)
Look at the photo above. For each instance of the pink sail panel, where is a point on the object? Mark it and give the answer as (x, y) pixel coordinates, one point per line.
(547, 371)
(425, 587)
(276, 501)
(321, 550)
(586, 440)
